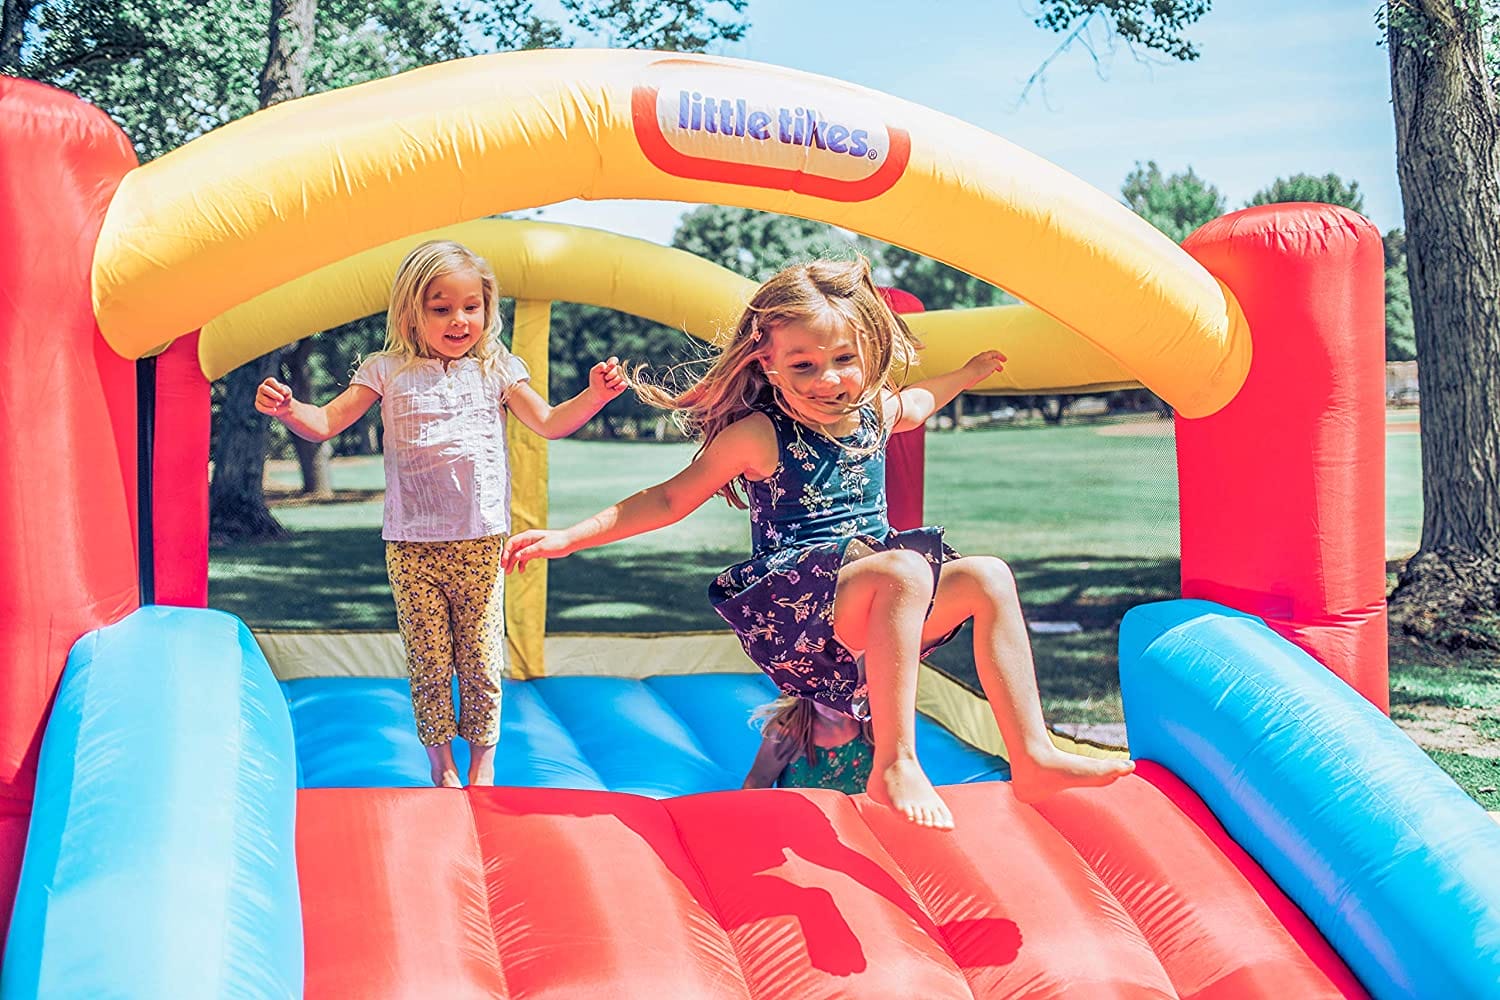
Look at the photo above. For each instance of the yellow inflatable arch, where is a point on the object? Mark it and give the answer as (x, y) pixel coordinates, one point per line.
(277, 196)
(540, 262)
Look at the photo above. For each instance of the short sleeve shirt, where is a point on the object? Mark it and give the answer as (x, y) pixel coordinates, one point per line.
(447, 474)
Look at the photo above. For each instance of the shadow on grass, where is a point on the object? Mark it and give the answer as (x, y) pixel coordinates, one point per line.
(334, 578)
(329, 578)
(1078, 673)
(604, 591)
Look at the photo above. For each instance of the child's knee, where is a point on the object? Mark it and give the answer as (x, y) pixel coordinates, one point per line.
(904, 567)
(994, 575)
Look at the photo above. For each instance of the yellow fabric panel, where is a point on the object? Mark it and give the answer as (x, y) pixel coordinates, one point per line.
(544, 261)
(967, 715)
(526, 593)
(294, 655)
(266, 199)
(1043, 355)
(549, 261)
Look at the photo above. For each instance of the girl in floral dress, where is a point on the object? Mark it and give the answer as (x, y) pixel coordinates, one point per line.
(794, 415)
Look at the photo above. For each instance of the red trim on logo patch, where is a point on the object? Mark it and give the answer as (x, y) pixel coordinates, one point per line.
(665, 157)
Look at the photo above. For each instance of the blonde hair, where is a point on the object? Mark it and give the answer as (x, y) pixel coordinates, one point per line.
(736, 381)
(426, 262)
(792, 719)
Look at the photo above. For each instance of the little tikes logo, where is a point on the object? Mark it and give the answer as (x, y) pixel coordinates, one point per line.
(715, 122)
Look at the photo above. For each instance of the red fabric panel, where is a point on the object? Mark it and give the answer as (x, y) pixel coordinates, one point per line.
(814, 905)
(906, 456)
(15, 816)
(1220, 926)
(1283, 491)
(1129, 891)
(593, 895)
(905, 471)
(1014, 903)
(393, 896)
(180, 483)
(67, 492)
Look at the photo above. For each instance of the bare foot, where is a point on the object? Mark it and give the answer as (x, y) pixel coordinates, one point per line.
(902, 785)
(1036, 779)
(482, 775)
(446, 778)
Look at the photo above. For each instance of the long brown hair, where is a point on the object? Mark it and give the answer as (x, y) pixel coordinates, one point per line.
(736, 378)
(789, 719)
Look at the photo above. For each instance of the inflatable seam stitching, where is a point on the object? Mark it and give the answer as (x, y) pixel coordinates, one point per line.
(489, 909)
(941, 940)
(708, 891)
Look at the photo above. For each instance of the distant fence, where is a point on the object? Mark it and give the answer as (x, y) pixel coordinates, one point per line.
(1401, 383)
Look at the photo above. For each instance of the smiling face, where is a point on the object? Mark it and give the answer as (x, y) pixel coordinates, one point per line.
(452, 315)
(818, 368)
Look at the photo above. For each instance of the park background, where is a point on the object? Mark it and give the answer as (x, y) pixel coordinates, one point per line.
(1279, 101)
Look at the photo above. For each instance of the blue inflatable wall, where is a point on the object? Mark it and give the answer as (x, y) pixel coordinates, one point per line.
(1398, 868)
(160, 858)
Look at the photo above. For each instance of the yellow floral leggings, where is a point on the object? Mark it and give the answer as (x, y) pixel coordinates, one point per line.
(450, 606)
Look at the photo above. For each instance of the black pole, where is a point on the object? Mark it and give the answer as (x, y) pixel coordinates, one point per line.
(145, 447)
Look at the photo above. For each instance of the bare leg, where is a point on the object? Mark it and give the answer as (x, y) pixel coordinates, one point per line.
(983, 588)
(878, 607)
(444, 770)
(481, 764)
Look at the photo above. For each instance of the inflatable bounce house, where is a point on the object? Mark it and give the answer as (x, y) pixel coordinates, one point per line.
(189, 810)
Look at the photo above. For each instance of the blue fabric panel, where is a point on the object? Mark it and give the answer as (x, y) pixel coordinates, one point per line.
(663, 736)
(359, 732)
(1398, 868)
(717, 708)
(948, 760)
(160, 860)
(536, 749)
(634, 739)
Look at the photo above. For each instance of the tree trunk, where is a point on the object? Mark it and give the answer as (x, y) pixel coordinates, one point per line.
(13, 17)
(312, 456)
(1448, 161)
(236, 503)
(284, 76)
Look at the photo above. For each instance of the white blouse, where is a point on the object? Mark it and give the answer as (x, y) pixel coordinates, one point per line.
(447, 474)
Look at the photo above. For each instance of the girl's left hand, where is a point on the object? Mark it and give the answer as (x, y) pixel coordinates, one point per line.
(984, 364)
(607, 379)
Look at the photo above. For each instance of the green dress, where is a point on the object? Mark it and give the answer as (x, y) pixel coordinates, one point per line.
(844, 768)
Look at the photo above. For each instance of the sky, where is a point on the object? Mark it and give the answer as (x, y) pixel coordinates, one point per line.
(1280, 87)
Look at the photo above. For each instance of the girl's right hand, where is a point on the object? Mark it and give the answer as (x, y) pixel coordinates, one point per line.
(535, 544)
(273, 398)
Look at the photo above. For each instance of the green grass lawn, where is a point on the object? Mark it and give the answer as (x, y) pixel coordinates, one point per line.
(1085, 513)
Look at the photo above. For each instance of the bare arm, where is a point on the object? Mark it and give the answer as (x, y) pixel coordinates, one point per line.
(770, 760)
(606, 381)
(912, 406)
(747, 446)
(309, 422)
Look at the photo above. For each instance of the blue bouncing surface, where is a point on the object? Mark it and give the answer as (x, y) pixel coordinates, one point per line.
(661, 736)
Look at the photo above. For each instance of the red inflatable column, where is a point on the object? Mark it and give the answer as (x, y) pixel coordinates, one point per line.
(67, 457)
(1283, 491)
(180, 476)
(906, 456)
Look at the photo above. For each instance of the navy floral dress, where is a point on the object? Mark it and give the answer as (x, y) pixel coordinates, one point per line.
(823, 495)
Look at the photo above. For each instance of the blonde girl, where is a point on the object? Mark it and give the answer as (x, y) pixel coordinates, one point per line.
(794, 416)
(445, 383)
